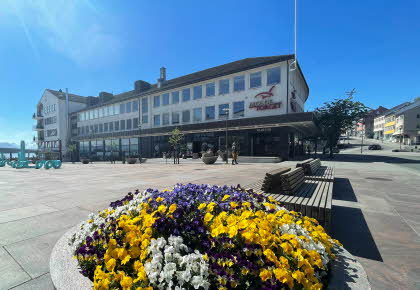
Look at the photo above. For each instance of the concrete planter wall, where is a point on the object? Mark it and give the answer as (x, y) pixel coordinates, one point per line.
(346, 272)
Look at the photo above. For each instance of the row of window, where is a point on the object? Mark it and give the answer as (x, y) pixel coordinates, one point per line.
(50, 120)
(185, 95)
(50, 108)
(197, 114)
(255, 81)
(238, 111)
(120, 125)
(116, 109)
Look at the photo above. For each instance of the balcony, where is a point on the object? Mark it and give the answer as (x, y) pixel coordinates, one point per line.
(37, 116)
(38, 127)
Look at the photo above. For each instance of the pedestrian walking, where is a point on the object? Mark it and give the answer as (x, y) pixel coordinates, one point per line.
(234, 154)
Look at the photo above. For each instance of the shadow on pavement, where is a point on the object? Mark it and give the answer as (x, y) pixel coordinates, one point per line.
(350, 228)
(343, 190)
(368, 158)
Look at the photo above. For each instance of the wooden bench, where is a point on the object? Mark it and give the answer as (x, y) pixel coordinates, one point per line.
(312, 197)
(301, 163)
(314, 170)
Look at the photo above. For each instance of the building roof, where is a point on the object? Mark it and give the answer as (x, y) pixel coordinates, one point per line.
(393, 110)
(408, 107)
(203, 75)
(72, 97)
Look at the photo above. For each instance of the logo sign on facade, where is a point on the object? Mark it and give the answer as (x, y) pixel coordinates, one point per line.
(266, 103)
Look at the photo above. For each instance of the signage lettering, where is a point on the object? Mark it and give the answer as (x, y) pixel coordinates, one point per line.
(265, 104)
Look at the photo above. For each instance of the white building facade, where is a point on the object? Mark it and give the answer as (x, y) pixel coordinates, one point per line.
(261, 100)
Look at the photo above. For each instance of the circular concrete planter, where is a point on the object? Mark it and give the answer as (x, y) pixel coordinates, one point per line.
(346, 272)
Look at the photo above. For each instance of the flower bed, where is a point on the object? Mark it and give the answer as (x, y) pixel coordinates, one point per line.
(202, 237)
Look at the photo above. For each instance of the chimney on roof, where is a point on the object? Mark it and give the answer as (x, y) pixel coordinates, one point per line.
(141, 86)
(162, 77)
(105, 97)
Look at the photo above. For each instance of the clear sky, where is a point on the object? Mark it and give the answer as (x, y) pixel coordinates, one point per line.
(90, 46)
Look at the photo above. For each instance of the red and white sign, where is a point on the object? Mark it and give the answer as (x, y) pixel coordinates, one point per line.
(264, 103)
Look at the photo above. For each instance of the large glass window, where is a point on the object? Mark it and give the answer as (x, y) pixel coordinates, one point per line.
(165, 119)
(91, 115)
(156, 101)
(116, 109)
(175, 97)
(96, 128)
(273, 76)
(128, 107)
(239, 83)
(125, 146)
(197, 115)
(175, 118)
(210, 90)
(186, 96)
(198, 92)
(165, 99)
(101, 128)
(210, 113)
(223, 111)
(106, 127)
(122, 108)
(122, 124)
(144, 119)
(135, 123)
(255, 80)
(134, 146)
(238, 109)
(156, 120)
(110, 110)
(128, 123)
(95, 113)
(224, 86)
(135, 106)
(105, 111)
(111, 126)
(116, 125)
(186, 116)
(144, 105)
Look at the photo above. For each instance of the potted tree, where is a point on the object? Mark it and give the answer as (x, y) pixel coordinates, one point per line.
(72, 148)
(176, 140)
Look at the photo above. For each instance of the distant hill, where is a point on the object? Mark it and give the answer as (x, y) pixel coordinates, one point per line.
(8, 145)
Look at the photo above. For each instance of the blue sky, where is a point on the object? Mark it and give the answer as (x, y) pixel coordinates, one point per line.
(91, 46)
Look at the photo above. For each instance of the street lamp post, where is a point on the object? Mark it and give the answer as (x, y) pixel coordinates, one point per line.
(139, 147)
(226, 110)
(400, 136)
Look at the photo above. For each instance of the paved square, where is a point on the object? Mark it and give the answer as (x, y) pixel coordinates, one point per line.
(376, 211)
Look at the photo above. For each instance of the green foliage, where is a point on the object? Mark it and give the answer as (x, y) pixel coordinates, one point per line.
(72, 147)
(338, 116)
(176, 138)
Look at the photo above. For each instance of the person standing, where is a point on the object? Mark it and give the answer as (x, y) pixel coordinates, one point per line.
(234, 154)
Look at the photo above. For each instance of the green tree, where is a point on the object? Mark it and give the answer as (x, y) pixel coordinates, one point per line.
(337, 116)
(72, 148)
(176, 140)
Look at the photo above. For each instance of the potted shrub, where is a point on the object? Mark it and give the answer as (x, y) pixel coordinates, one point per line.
(85, 161)
(132, 160)
(209, 158)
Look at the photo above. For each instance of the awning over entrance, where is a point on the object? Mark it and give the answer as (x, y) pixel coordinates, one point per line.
(303, 122)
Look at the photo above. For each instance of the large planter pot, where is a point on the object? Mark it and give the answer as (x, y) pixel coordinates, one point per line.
(131, 160)
(85, 161)
(209, 159)
(346, 272)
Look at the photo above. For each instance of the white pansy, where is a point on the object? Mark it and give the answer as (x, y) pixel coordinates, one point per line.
(174, 266)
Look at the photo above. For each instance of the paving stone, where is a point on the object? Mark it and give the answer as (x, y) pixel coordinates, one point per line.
(11, 274)
(34, 254)
(24, 212)
(20, 230)
(43, 282)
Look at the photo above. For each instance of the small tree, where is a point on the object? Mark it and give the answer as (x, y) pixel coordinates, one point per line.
(72, 148)
(335, 117)
(176, 140)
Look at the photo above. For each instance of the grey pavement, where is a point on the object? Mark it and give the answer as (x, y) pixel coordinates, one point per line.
(376, 210)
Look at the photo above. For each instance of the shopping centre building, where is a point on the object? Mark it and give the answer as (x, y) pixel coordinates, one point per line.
(259, 100)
